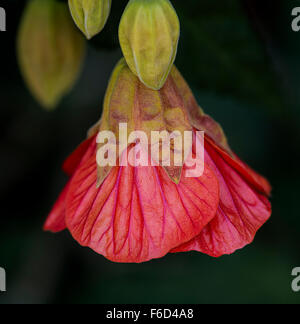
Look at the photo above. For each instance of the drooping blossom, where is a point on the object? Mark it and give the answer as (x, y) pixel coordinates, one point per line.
(138, 213)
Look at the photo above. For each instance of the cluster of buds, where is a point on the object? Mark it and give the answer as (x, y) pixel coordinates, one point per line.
(149, 33)
(51, 51)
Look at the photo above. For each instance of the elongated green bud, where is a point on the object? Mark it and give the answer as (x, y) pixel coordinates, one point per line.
(50, 50)
(90, 15)
(149, 33)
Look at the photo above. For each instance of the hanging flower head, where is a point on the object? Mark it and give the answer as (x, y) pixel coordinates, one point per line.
(136, 213)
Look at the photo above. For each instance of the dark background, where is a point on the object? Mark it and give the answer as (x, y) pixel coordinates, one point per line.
(241, 59)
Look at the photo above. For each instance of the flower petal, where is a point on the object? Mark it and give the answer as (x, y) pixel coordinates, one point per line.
(72, 162)
(138, 214)
(255, 179)
(242, 209)
(56, 220)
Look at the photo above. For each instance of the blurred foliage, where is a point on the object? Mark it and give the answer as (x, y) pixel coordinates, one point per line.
(241, 59)
(224, 55)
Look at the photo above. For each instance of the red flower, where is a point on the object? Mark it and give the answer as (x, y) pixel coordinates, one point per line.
(139, 213)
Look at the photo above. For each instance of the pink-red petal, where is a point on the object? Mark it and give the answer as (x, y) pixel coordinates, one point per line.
(71, 163)
(56, 220)
(243, 209)
(255, 179)
(138, 213)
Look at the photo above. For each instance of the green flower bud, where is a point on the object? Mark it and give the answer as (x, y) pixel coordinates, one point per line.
(149, 33)
(90, 15)
(50, 50)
